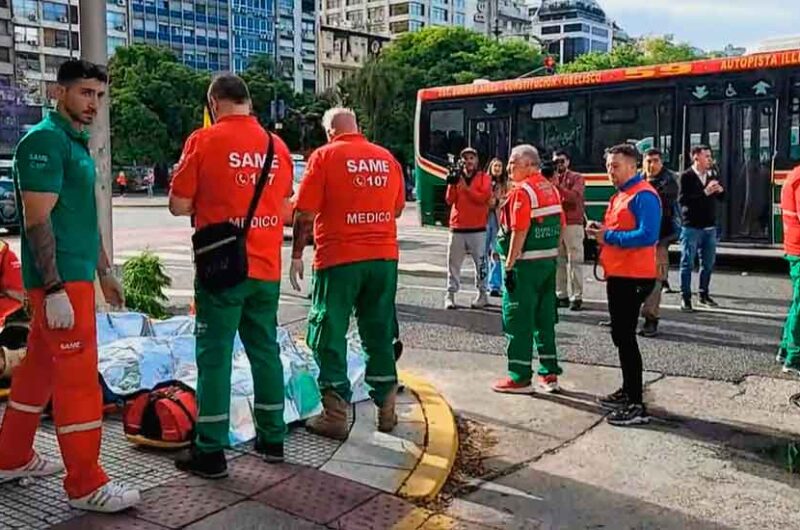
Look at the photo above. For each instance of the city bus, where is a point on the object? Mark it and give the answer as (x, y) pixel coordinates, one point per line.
(747, 109)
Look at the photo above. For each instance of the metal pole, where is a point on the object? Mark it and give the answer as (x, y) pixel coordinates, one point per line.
(94, 48)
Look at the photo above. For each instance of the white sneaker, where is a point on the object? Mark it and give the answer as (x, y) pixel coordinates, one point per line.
(450, 301)
(37, 467)
(790, 370)
(481, 301)
(109, 498)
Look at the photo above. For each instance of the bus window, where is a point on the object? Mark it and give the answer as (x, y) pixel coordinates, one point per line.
(551, 125)
(446, 134)
(794, 123)
(640, 118)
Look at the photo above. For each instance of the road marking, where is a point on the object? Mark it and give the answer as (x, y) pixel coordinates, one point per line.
(420, 267)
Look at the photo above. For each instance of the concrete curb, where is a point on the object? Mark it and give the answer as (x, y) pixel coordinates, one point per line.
(441, 445)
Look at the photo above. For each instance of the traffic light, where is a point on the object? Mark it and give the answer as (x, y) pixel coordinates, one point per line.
(549, 65)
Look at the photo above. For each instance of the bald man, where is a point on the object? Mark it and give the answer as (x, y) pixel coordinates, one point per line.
(352, 192)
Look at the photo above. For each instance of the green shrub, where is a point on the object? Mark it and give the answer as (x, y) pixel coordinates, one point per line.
(144, 281)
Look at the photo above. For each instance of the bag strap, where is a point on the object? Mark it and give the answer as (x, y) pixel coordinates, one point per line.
(262, 182)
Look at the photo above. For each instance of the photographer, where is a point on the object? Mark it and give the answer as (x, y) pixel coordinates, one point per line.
(468, 193)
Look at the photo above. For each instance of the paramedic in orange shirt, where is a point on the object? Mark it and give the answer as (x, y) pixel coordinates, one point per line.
(353, 191)
(215, 181)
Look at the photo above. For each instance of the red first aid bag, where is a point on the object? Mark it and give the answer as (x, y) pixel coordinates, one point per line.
(167, 413)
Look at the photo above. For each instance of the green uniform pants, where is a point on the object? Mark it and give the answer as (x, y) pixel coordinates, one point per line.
(250, 308)
(529, 319)
(790, 345)
(369, 287)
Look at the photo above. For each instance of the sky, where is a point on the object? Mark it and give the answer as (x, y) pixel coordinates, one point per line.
(708, 24)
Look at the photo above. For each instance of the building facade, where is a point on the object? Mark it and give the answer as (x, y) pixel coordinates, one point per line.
(571, 28)
(297, 43)
(253, 30)
(342, 52)
(197, 31)
(499, 18)
(392, 18)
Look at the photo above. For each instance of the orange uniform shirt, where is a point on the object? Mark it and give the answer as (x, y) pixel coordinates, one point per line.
(356, 189)
(218, 170)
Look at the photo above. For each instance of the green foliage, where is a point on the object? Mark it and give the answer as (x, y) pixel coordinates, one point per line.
(644, 52)
(144, 281)
(384, 92)
(156, 103)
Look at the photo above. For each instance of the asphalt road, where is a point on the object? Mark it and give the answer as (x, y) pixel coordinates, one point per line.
(738, 339)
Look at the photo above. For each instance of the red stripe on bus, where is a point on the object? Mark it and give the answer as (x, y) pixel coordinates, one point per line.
(620, 75)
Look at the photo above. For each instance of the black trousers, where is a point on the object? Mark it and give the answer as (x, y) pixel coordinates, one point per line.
(625, 299)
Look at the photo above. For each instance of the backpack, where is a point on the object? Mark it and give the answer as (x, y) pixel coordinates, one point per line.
(167, 413)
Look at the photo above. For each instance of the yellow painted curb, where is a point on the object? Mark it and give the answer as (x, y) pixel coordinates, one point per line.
(441, 442)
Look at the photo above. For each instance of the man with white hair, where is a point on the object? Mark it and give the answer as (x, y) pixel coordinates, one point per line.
(531, 220)
(352, 192)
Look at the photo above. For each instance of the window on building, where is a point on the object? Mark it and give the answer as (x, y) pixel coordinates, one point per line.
(551, 30)
(354, 2)
(416, 9)
(25, 9)
(54, 12)
(554, 125)
(459, 19)
(52, 63)
(599, 46)
(5, 28)
(459, 4)
(5, 55)
(415, 25)
(3, 4)
(333, 4)
(114, 43)
(115, 21)
(400, 26)
(138, 23)
(643, 118)
(794, 122)
(576, 28)
(56, 38)
(356, 17)
(600, 32)
(446, 134)
(575, 47)
(398, 9)
(26, 35)
(28, 61)
(438, 14)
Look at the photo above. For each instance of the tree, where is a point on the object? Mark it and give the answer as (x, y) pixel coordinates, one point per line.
(655, 50)
(384, 92)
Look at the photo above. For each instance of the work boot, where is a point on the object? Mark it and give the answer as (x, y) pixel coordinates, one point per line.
(387, 417)
(332, 423)
(481, 301)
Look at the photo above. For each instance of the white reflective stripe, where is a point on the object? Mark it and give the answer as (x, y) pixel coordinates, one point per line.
(546, 210)
(521, 363)
(268, 408)
(80, 427)
(789, 213)
(30, 409)
(539, 254)
(381, 378)
(212, 419)
(531, 194)
(217, 244)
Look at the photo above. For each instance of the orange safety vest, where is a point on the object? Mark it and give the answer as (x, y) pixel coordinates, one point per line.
(621, 262)
(790, 212)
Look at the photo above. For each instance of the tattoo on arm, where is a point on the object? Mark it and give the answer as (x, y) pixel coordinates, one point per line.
(42, 242)
(301, 232)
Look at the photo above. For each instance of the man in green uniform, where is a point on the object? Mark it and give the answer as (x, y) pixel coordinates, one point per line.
(531, 221)
(353, 191)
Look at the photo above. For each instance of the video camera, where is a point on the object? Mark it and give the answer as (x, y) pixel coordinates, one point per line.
(455, 169)
(548, 169)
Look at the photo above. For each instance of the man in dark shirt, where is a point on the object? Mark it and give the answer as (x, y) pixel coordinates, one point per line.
(700, 191)
(665, 183)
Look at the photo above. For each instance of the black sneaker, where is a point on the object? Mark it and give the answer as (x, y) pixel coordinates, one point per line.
(495, 293)
(206, 465)
(398, 349)
(633, 414)
(665, 288)
(576, 305)
(563, 302)
(686, 305)
(707, 301)
(614, 401)
(649, 329)
(271, 453)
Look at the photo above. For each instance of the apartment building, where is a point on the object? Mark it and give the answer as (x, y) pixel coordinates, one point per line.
(392, 18)
(499, 18)
(570, 28)
(253, 30)
(297, 43)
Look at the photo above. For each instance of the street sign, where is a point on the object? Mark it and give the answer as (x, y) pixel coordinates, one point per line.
(489, 108)
(701, 92)
(761, 88)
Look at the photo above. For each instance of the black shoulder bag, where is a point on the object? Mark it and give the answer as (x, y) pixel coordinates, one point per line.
(220, 249)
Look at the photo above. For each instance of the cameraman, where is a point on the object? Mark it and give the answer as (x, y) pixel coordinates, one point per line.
(468, 193)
